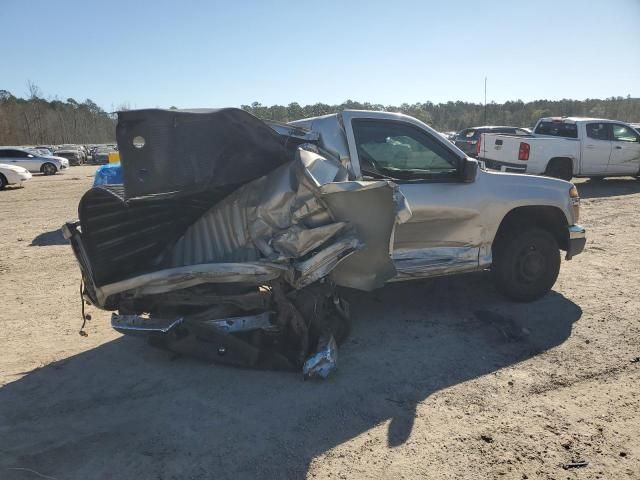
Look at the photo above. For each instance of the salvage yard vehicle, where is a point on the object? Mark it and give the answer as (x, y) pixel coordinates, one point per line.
(12, 175)
(566, 147)
(73, 156)
(82, 151)
(230, 237)
(31, 161)
(100, 155)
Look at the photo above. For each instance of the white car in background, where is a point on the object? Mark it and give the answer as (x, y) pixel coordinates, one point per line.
(12, 175)
(33, 162)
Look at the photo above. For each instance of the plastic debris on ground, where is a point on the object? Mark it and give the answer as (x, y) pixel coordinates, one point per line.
(324, 361)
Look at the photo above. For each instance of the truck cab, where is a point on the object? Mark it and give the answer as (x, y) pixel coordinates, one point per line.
(464, 218)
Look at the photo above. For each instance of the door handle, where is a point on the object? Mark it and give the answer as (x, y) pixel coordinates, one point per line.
(591, 146)
(618, 147)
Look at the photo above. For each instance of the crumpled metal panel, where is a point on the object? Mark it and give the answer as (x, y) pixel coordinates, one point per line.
(245, 323)
(252, 273)
(296, 241)
(322, 263)
(418, 263)
(372, 213)
(296, 223)
(141, 325)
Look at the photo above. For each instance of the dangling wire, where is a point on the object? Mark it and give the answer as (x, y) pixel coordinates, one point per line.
(84, 317)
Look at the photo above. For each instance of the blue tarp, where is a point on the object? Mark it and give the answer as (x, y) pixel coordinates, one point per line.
(110, 174)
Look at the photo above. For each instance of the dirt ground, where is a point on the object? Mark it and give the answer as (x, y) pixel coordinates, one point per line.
(440, 379)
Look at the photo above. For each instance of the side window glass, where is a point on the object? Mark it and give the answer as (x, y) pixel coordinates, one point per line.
(598, 131)
(622, 133)
(401, 150)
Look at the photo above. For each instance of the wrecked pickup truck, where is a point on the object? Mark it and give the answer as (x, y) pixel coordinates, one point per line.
(230, 237)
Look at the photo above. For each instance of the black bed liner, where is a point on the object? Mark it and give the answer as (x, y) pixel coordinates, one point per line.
(194, 150)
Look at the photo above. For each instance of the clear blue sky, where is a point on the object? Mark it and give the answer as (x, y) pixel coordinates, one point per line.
(213, 53)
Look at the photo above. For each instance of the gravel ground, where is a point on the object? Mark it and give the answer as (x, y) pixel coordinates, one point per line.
(440, 379)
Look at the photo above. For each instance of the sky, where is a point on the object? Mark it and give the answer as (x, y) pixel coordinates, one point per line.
(145, 53)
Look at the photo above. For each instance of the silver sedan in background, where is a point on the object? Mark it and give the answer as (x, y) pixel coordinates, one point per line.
(32, 161)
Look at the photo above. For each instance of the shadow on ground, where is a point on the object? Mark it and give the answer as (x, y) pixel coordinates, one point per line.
(46, 239)
(609, 187)
(126, 410)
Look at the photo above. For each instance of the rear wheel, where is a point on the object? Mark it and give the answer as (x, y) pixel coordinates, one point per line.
(3, 182)
(560, 168)
(48, 169)
(526, 263)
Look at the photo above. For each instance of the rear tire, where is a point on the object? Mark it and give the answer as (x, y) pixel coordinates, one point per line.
(48, 169)
(526, 263)
(561, 169)
(3, 182)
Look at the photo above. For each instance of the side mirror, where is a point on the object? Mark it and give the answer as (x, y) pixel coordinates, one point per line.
(469, 170)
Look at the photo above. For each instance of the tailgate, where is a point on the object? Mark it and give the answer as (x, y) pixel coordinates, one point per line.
(503, 148)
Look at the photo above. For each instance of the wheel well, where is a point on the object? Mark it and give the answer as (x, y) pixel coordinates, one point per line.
(6, 182)
(47, 163)
(560, 161)
(548, 218)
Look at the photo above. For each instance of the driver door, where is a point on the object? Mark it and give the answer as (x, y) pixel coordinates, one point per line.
(444, 232)
(625, 154)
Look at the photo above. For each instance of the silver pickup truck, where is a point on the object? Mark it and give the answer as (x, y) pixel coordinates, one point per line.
(463, 218)
(236, 232)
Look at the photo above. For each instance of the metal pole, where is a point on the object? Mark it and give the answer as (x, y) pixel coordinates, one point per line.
(485, 100)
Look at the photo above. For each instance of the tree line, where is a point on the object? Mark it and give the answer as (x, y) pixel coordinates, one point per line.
(36, 120)
(454, 116)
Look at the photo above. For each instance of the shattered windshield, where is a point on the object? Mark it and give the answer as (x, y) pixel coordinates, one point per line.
(401, 150)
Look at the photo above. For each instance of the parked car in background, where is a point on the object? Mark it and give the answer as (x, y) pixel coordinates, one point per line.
(82, 153)
(73, 156)
(467, 139)
(566, 147)
(12, 175)
(34, 163)
(100, 156)
(40, 151)
(47, 150)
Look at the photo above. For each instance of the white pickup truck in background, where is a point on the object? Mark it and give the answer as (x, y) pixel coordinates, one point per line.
(566, 147)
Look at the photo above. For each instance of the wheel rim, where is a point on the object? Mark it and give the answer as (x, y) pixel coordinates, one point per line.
(530, 265)
(48, 169)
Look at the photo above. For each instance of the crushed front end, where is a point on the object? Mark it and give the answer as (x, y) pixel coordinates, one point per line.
(229, 241)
